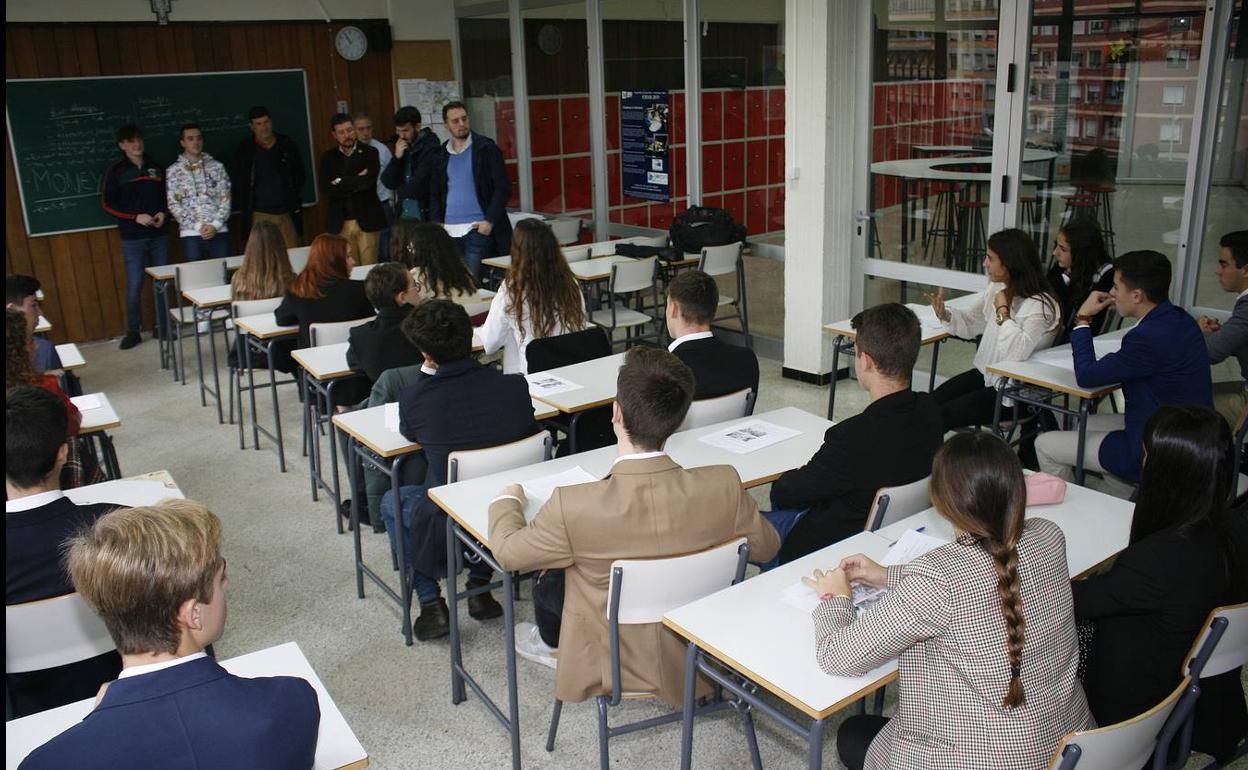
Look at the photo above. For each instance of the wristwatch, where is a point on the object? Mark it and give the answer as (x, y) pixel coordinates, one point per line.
(1003, 312)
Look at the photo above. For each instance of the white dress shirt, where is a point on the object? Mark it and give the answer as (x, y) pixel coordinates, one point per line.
(1032, 325)
(30, 502)
(688, 338)
(149, 668)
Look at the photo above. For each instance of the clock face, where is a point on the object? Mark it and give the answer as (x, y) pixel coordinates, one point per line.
(351, 43)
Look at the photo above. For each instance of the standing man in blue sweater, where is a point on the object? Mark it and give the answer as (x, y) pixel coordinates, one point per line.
(1162, 362)
(469, 189)
(134, 193)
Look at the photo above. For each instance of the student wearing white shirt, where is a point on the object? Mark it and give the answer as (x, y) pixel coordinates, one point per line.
(539, 298)
(1016, 316)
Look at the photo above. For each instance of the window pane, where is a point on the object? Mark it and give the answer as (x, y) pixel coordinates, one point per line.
(485, 61)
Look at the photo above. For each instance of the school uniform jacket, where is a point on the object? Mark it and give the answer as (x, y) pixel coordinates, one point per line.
(380, 344)
(645, 509)
(942, 618)
(343, 300)
(1232, 338)
(191, 716)
(718, 368)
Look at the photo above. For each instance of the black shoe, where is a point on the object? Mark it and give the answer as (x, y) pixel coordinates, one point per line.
(130, 340)
(345, 511)
(484, 607)
(434, 621)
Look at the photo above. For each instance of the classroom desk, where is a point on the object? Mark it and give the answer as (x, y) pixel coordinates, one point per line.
(209, 304)
(163, 277)
(597, 380)
(43, 325)
(96, 422)
(259, 333)
(775, 650)
(1038, 383)
(372, 444)
(337, 748)
(131, 492)
(931, 331)
(321, 369)
(71, 357)
(466, 504)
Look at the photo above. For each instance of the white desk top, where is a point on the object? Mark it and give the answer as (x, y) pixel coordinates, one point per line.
(931, 330)
(360, 272)
(597, 380)
(42, 325)
(595, 269)
(324, 362)
(1096, 525)
(71, 357)
(264, 326)
(939, 169)
(147, 489)
(165, 272)
(776, 648)
(1058, 377)
(468, 501)
(100, 418)
(368, 426)
(337, 748)
(210, 296)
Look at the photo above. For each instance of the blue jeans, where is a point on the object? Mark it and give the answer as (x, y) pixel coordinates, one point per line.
(138, 254)
(425, 586)
(784, 520)
(195, 248)
(476, 247)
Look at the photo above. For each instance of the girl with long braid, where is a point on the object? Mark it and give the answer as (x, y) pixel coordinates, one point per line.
(983, 627)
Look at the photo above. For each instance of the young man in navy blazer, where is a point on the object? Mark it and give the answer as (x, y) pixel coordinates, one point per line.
(464, 405)
(38, 519)
(156, 576)
(718, 368)
(1162, 361)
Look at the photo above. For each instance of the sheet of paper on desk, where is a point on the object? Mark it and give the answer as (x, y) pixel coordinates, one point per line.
(125, 492)
(89, 401)
(804, 598)
(927, 317)
(1062, 357)
(549, 384)
(745, 437)
(392, 417)
(540, 489)
(911, 546)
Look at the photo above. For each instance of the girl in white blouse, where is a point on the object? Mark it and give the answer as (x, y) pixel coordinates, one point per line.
(539, 298)
(1017, 315)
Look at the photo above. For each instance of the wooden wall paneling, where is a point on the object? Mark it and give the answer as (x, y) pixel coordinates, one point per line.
(45, 52)
(10, 57)
(149, 60)
(71, 312)
(112, 313)
(41, 268)
(430, 59)
(166, 49)
(67, 52)
(108, 45)
(184, 49)
(16, 247)
(205, 59)
(88, 51)
(221, 58)
(260, 49)
(240, 57)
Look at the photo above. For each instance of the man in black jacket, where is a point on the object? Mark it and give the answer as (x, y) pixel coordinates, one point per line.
(267, 178)
(469, 189)
(380, 344)
(408, 172)
(349, 174)
(718, 368)
(892, 442)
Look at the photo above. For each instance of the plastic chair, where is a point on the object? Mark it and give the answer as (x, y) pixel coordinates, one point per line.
(630, 279)
(1127, 744)
(602, 248)
(641, 591)
(1221, 646)
(576, 254)
(298, 258)
(708, 411)
(566, 230)
(52, 632)
(471, 463)
(721, 260)
(242, 308)
(334, 333)
(586, 430)
(191, 275)
(892, 504)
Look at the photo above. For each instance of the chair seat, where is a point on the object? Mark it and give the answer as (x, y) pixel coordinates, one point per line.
(623, 317)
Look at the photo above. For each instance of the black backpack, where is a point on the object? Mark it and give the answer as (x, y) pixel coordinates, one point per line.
(701, 226)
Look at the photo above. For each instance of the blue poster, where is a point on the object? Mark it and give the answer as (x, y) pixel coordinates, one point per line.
(644, 141)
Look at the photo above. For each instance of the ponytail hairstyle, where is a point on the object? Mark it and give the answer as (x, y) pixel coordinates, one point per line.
(1018, 254)
(977, 484)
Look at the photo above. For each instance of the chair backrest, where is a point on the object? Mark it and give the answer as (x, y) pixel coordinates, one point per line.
(247, 307)
(52, 632)
(335, 332)
(567, 349)
(199, 275)
(1128, 744)
(576, 253)
(360, 272)
(718, 260)
(1222, 644)
(632, 275)
(642, 590)
(473, 463)
(298, 258)
(708, 411)
(602, 248)
(896, 503)
(566, 230)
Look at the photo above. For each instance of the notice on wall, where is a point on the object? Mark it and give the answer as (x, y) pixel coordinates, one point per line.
(644, 140)
(429, 96)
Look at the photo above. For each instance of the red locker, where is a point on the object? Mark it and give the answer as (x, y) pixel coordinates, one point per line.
(712, 115)
(735, 203)
(616, 216)
(713, 201)
(613, 121)
(614, 185)
(755, 211)
(505, 127)
(513, 173)
(775, 209)
(712, 167)
(775, 112)
(661, 215)
(575, 118)
(756, 163)
(548, 185)
(775, 161)
(544, 127)
(756, 112)
(734, 165)
(676, 120)
(734, 114)
(678, 173)
(577, 184)
(637, 215)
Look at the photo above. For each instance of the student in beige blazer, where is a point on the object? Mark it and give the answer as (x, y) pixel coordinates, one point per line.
(648, 507)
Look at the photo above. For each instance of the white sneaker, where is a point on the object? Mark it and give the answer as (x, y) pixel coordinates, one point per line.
(529, 645)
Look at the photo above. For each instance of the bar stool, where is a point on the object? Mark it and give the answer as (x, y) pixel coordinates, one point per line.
(942, 218)
(972, 237)
(1105, 218)
(1080, 207)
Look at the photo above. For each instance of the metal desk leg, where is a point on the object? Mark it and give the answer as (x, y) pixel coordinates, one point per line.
(199, 357)
(216, 376)
(686, 733)
(311, 424)
(998, 406)
(330, 407)
(404, 595)
(277, 414)
(576, 419)
(931, 378)
(1084, 405)
(353, 467)
(251, 394)
(836, 363)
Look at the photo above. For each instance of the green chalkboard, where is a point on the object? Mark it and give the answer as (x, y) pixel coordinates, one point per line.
(62, 132)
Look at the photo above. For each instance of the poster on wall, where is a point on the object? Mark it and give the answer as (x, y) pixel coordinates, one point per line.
(428, 96)
(644, 137)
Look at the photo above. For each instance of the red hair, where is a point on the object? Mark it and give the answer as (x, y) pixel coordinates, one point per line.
(327, 262)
